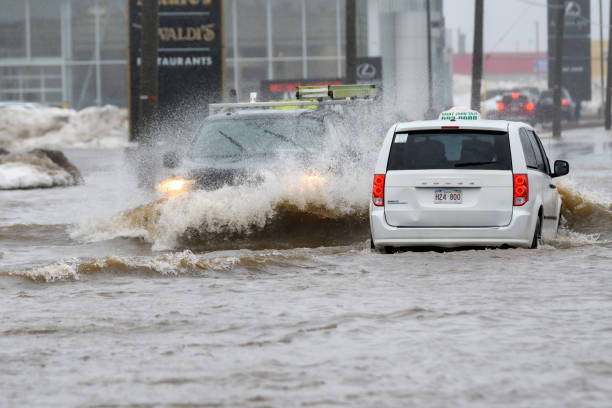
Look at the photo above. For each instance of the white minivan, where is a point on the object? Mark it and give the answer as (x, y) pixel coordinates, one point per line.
(462, 181)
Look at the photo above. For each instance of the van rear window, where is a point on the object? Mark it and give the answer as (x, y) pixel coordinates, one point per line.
(450, 149)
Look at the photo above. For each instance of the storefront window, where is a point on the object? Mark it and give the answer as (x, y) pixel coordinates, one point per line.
(286, 28)
(83, 29)
(12, 29)
(252, 29)
(45, 28)
(288, 70)
(322, 27)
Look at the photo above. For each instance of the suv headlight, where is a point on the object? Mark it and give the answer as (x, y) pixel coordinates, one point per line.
(174, 186)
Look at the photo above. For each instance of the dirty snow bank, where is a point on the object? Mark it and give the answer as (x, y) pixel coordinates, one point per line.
(24, 128)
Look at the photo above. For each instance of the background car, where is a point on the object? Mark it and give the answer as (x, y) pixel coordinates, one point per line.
(517, 106)
(543, 109)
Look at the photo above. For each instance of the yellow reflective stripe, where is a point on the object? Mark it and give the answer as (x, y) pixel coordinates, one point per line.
(288, 106)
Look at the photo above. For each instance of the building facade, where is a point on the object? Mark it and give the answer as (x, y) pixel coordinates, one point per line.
(74, 51)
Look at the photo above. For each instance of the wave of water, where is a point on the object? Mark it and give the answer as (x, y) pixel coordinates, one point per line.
(284, 215)
(585, 211)
(285, 211)
(184, 263)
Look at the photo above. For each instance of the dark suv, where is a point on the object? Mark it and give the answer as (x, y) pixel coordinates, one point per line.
(232, 148)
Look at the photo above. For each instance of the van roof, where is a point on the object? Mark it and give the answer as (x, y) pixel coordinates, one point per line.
(494, 125)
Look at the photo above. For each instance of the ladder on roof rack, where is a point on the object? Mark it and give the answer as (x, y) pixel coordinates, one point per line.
(214, 108)
(336, 92)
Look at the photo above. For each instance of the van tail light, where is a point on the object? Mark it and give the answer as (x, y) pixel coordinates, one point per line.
(378, 190)
(529, 106)
(564, 102)
(521, 189)
(500, 106)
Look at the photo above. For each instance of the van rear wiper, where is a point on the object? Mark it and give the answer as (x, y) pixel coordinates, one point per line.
(466, 164)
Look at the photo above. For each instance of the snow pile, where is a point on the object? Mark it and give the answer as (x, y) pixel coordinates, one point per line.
(36, 169)
(23, 128)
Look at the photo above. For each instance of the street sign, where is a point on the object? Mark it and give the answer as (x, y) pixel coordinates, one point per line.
(190, 56)
(576, 47)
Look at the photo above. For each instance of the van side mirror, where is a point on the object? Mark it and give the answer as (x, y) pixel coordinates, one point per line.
(171, 160)
(561, 168)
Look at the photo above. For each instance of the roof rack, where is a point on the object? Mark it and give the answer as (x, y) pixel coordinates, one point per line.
(214, 108)
(336, 92)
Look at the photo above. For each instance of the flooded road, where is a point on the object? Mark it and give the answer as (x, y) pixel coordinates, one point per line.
(107, 303)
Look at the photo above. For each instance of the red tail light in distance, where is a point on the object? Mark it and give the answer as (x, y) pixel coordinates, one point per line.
(500, 106)
(521, 189)
(529, 106)
(378, 190)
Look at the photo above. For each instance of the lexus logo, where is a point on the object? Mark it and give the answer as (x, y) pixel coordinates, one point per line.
(366, 71)
(573, 9)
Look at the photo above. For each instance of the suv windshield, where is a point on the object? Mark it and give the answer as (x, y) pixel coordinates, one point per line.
(461, 149)
(258, 136)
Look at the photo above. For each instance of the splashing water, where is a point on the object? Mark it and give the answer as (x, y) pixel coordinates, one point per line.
(585, 212)
(281, 210)
(299, 207)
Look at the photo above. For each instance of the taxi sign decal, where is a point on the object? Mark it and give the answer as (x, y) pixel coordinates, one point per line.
(459, 114)
(401, 138)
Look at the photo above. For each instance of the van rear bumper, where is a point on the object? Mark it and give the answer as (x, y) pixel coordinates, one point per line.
(518, 233)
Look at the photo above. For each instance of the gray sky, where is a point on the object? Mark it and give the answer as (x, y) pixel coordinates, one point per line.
(510, 25)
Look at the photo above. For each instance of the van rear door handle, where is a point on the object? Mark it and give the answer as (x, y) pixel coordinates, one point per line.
(552, 186)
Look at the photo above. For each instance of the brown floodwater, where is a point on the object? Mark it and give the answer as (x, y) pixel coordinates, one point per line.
(270, 296)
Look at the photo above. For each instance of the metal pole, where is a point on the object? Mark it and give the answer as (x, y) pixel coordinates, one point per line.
(28, 29)
(351, 46)
(269, 37)
(537, 44)
(429, 67)
(477, 55)
(97, 11)
(601, 52)
(609, 76)
(235, 48)
(558, 68)
(304, 41)
(148, 71)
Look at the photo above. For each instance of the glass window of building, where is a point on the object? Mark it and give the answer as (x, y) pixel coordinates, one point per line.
(251, 28)
(113, 29)
(322, 26)
(83, 17)
(323, 69)
(250, 74)
(286, 30)
(12, 29)
(45, 28)
(288, 69)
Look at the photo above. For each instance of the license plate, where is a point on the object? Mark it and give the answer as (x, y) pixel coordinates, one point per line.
(448, 196)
